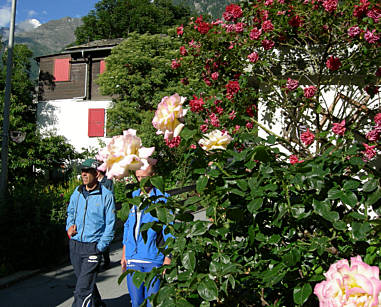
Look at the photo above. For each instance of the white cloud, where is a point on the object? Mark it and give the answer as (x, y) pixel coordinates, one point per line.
(32, 13)
(28, 25)
(5, 15)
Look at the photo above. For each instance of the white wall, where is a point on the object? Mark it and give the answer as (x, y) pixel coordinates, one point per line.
(69, 118)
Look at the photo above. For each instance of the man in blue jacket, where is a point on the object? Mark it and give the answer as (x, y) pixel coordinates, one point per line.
(137, 254)
(90, 227)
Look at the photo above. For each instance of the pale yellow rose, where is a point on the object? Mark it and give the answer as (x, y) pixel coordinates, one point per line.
(215, 140)
(168, 116)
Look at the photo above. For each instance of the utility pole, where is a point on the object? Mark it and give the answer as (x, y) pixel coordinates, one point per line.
(7, 97)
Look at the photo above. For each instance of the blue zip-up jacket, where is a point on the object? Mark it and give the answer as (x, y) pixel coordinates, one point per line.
(94, 216)
(138, 249)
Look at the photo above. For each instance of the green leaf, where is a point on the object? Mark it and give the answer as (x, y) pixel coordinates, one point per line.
(370, 185)
(334, 193)
(158, 182)
(349, 198)
(187, 134)
(292, 257)
(189, 260)
(323, 209)
(340, 225)
(255, 204)
(374, 197)
(242, 184)
(201, 183)
(138, 278)
(351, 185)
(302, 293)
(198, 228)
(183, 303)
(207, 289)
(192, 200)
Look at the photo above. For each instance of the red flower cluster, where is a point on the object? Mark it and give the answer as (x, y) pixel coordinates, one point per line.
(175, 64)
(255, 33)
(253, 57)
(307, 137)
(232, 88)
(330, 5)
(310, 91)
(196, 104)
(295, 21)
(333, 63)
(267, 44)
(339, 128)
(292, 84)
(174, 142)
(294, 159)
(232, 12)
(202, 26)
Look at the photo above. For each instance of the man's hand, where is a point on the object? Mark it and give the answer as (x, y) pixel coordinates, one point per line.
(123, 263)
(72, 231)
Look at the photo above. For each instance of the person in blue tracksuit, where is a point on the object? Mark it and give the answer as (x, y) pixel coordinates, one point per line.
(137, 254)
(90, 227)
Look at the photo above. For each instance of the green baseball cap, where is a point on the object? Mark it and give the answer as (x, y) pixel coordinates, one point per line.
(89, 163)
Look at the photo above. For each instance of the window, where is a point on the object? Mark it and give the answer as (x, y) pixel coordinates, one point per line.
(62, 69)
(96, 122)
(102, 66)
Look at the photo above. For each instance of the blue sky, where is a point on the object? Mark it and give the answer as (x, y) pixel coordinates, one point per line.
(44, 10)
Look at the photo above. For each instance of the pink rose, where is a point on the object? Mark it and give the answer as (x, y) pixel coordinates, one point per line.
(292, 84)
(357, 284)
(310, 91)
(180, 30)
(294, 160)
(339, 128)
(253, 57)
(330, 5)
(377, 119)
(354, 31)
(369, 152)
(267, 44)
(267, 26)
(255, 34)
(371, 37)
(373, 135)
(307, 137)
(215, 75)
(175, 64)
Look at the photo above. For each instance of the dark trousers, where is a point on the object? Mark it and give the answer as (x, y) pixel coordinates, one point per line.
(85, 259)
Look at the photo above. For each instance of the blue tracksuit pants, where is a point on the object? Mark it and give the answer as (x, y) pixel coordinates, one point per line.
(85, 259)
(138, 295)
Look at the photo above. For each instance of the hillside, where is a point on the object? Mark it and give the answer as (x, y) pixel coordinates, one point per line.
(215, 8)
(50, 37)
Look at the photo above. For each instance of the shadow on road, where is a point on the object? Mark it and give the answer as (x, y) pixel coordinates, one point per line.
(122, 301)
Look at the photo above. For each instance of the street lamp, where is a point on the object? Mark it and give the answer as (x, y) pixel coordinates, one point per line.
(7, 96)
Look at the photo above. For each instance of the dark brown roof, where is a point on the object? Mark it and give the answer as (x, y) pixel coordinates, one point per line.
(101, 43)
(91, 46)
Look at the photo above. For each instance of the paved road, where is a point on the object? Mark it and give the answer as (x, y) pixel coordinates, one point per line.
(56, 287)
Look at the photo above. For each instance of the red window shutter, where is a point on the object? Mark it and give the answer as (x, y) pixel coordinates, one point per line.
(102, 66)
(96, 122)
(62, 69)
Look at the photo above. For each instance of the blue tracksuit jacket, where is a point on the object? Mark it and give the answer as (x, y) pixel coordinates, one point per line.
(138, 249)
(94, 216)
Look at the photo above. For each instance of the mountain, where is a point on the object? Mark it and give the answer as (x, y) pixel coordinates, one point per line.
(43, 39)
(215, 8)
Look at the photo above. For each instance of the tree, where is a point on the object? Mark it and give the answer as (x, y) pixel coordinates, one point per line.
(139, 73)
(118, 18)
(35, 152)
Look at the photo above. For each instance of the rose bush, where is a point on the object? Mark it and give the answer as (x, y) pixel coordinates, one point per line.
(282, 204)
